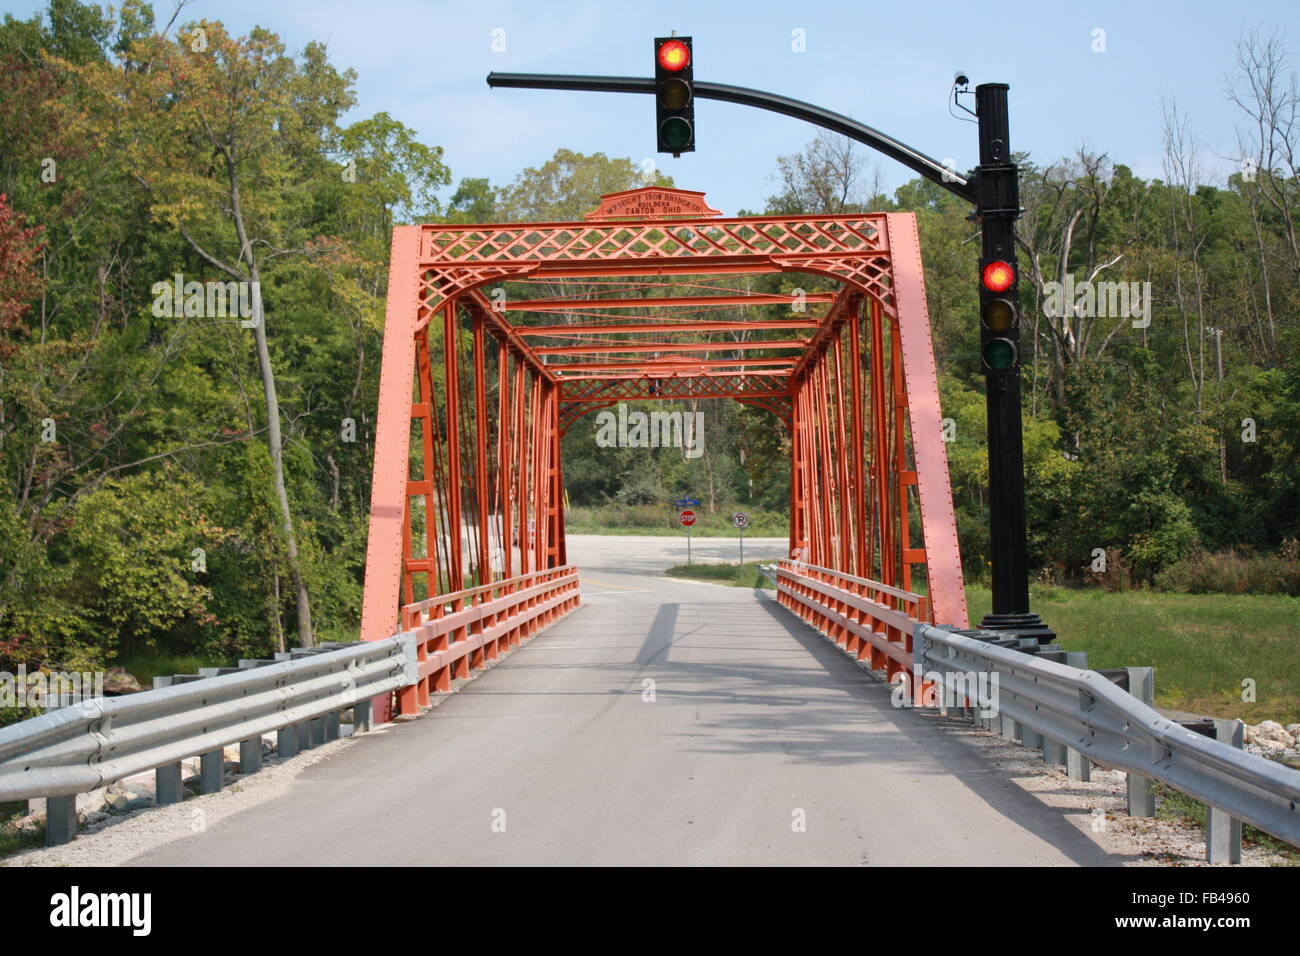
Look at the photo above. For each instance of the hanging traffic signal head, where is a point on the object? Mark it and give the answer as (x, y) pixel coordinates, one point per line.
(674, 95)
(999, 315)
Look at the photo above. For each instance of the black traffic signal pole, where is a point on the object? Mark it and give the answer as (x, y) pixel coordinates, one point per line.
(994, 194)
(997, 207)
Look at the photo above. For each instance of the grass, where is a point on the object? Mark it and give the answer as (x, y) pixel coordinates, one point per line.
(13, 840)
(745, 575)
(1202, 645)
(145, 667)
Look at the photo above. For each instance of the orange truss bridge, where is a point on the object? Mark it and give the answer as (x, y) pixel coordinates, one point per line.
(500, 337)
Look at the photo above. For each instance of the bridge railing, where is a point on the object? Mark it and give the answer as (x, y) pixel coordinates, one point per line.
(869, 620)
(466, 629)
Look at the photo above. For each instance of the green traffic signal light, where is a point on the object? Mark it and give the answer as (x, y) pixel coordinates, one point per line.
(675, 133)
(999, 355)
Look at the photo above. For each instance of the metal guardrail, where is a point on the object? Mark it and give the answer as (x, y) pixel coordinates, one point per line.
(1084, 712)
(94, 743)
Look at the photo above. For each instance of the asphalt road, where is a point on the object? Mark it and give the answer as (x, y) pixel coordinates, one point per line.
(760, 744)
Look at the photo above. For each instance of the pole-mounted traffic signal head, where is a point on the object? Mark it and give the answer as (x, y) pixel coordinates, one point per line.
(674, 95)
(999, 315)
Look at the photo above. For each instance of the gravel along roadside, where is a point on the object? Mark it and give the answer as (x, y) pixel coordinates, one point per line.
(1099, 807)
(112, 838)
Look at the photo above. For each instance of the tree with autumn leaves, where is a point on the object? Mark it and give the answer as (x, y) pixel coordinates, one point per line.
(185, 150)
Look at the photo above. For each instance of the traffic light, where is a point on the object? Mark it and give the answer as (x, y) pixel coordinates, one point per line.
(674, 95)
(999, 315)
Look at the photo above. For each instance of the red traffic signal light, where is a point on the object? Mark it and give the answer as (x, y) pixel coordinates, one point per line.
(998, 276)
(674, 56)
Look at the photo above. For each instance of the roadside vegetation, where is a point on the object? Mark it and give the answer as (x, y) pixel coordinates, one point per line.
(616, 519)
(745, 575)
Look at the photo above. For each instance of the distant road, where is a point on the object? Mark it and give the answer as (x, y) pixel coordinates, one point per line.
(650, 554)
(762, 745)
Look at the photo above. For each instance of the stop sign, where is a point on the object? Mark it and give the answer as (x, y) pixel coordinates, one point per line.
(687, 518)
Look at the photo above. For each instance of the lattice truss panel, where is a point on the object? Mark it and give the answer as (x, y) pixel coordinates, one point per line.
(498, 338)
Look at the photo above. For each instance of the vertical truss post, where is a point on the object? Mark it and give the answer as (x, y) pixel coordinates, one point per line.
(427, 484)
(536, 538)
(480, 452)
(797, 493)
(901, 475)
(826, 468)
(880, 447)
(842, 464)
(861, 560)
(505, 490)
(555, 487)
(519, 438)
(454, 473)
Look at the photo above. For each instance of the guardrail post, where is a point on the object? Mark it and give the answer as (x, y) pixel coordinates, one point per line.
(286, 741)
(211, 768)
(1141, 794)
(1009, 727)
(362, 716)
(303, 729)
(167, 784)
(250, 755)
(60, 819)
(1077, 767)
(316, 728)
(1222, 831)
(1028, 738)
(330, 724)
(1053, 753)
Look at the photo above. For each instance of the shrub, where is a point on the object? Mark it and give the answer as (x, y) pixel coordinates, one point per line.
(1230, 572)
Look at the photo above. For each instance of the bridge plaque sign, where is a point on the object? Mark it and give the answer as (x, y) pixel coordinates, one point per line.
(653, 202)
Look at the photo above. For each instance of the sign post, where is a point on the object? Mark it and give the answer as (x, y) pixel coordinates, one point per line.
(741, 520)
(687, 518)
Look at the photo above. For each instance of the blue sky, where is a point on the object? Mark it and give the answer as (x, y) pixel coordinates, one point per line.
(887, 64)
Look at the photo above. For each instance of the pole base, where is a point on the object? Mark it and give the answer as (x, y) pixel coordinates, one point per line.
(1021, 625)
